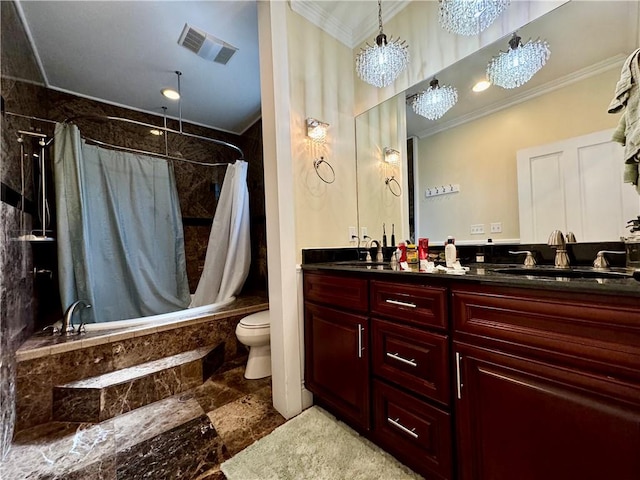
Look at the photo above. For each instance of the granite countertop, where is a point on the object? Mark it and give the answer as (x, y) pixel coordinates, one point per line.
(493, 274)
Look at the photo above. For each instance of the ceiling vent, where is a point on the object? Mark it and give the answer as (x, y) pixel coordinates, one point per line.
(206, 45)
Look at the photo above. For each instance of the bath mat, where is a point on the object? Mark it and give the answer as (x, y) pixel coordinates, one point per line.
(314, 446)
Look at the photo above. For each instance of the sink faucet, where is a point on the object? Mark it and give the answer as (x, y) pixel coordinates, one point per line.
(600, 263)
(379, 256)
(67, 319)
(556, 239)
(529, 261)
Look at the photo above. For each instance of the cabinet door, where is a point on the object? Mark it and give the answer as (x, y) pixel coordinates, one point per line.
(524, 419)
(337, 363)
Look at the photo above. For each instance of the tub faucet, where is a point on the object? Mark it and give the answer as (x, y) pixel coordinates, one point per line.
(379, 256)
(67, 319)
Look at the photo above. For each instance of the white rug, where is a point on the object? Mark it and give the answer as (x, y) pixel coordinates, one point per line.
(314, 446)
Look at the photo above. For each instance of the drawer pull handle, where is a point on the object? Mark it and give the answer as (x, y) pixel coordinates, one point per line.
(360, 329)
(402, 304)
(397, 424)
(458, 379)
(397, 356)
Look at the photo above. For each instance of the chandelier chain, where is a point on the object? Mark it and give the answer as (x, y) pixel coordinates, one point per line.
(380, 15)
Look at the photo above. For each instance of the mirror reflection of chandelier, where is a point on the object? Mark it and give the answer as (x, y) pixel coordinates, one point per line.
(435, 101)
(469, 17)
(380, 64)
(515, 67)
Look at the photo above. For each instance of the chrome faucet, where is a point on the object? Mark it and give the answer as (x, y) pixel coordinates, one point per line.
(379, 256)
(556, 239)
(67, 319)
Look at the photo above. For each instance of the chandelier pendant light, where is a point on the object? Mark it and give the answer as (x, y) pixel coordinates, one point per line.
(469, 17)
(435, 101)
(515, 67)
(380, 64)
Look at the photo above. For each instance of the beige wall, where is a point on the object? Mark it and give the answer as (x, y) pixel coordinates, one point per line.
(432, 49)
(321, 86)
(481, 157)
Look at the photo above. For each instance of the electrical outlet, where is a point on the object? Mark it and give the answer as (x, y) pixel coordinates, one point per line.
(353, 232)
(363, 232)
(477, 229)
(496, 227)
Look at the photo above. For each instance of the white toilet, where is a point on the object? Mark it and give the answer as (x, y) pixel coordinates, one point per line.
(254, 332)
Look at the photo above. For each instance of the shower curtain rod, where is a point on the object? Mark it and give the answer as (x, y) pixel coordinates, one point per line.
(144, 152)
(164, 129)
(154, 154)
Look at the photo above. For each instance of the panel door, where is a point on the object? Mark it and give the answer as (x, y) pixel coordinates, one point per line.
(531, 421)
(575, 185)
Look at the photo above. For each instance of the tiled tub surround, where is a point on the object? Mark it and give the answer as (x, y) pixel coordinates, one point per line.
(45, 362)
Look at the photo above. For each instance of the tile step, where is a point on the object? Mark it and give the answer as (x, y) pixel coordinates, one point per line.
(105, 396)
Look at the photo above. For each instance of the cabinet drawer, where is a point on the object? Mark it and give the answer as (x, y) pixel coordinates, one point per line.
(416, 304)
(413, 358)
(337, 291)
(417, 433)
(595, 332)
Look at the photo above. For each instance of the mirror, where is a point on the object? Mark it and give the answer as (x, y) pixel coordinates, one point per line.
(474, 146)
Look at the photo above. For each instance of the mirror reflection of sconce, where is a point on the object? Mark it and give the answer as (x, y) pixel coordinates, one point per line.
(317, 130)
(392, 157)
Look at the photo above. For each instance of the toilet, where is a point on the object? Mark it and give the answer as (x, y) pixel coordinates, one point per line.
(254, 332)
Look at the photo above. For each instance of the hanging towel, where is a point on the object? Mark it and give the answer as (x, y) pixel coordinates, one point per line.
(627, 101)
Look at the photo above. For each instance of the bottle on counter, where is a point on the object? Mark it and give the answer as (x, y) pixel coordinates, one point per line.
(412, 253)
(450, 252)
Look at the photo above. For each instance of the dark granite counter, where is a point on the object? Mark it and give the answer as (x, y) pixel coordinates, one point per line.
(539, 278)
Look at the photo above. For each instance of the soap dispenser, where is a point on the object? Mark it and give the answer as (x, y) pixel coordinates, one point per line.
(450, 252)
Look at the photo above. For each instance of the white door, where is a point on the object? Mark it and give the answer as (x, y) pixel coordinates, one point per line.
(575, 185)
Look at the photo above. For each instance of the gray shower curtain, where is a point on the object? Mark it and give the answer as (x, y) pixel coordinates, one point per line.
(120, 238)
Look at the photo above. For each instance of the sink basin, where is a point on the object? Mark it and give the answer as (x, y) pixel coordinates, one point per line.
(565, 272)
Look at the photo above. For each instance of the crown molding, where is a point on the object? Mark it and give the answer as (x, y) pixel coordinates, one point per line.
(347, 33)
(582, 74)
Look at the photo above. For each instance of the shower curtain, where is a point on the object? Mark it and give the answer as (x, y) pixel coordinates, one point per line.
(120, 238)
(228, 258)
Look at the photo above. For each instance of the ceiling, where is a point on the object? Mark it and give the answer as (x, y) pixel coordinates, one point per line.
(124, 53)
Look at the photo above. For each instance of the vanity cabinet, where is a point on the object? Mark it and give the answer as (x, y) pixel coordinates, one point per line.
(547, 384)
(337, 345)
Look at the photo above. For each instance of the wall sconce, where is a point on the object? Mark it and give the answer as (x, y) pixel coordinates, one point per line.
(317, 130)
(391, 155)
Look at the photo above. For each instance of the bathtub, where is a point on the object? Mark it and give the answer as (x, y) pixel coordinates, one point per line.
(162, 319)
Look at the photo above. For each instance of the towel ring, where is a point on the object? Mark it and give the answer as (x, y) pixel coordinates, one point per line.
(397, 190)
(319, 161)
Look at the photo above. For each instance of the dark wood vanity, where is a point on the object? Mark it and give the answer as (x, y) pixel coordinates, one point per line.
(474, 378)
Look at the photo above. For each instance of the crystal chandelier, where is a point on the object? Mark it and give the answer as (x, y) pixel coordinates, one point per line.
(470, 17)
(515, 67)
(434, 102)
(379, 65)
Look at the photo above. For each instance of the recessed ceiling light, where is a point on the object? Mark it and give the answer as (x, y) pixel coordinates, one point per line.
(170, 93)
(155, 132)
(481, 86)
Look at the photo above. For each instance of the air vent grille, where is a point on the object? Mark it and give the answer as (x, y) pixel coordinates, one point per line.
(205, 45)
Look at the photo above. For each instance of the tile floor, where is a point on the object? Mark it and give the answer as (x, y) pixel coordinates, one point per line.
(186, 436)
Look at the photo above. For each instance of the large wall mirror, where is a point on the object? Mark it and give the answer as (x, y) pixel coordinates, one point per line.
(473, 150)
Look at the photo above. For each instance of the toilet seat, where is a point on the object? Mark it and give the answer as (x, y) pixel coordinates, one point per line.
(256, 320)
